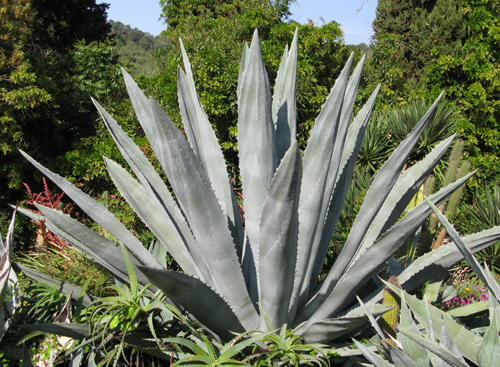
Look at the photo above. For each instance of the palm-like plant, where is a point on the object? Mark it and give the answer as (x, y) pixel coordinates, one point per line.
(235, 277)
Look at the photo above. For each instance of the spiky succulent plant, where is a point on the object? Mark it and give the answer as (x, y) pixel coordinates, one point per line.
(446, 341)
(233, 277)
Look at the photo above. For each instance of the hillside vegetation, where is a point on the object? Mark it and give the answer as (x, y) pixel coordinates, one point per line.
(136, 47)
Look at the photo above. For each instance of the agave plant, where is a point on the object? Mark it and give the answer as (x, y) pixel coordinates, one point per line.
(235, 276)
(446, 342)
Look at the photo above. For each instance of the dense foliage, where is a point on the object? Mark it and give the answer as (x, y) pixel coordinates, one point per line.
(136, 48)
(423, 47)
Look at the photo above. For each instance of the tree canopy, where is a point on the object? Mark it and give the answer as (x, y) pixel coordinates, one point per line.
(423, 47)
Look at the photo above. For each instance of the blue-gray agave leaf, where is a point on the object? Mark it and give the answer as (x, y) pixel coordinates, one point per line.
(375, 197)
(400, 359)
(467, 342)
(278, 243)
(138, 198)
(328, 303)
(405, 188)
(104, 251)
(204, 303)
(373, 357)
(414, 350)
(437, 261)
(206, 146)
(341, 166)
(257, 152)
(489, 350)
(152, 182)
(438, 350)
(493, 287)
(330, 329)
(204, 214)
(284, 111)
(316, 162)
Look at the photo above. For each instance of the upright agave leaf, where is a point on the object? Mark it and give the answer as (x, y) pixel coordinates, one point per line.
(284, 111)
(257, 152)
(292, 206)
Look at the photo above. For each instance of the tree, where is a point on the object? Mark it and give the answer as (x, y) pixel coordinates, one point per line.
(472, 79)
(424, 47)
(20, 90)
(45, 106)
(406, 35)
(59, 24)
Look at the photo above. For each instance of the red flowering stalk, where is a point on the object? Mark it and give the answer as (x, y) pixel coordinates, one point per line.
(53, 201)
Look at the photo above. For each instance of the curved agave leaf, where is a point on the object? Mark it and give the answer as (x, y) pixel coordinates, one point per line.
(199, 299)
(284, 111)
(374, 358)
(257, 152)
(278, 244)
(316, 162)
(75, 331)
(319, 245)
(400, 359)
(350, 152)
(138, 198)
(61, 286)
(441, 259)
(405, 188)
(206, 146)
(493, 286)
(489, 350)
(204, 215)
(414, 350)
(100, 214)
(435, 348)
(145, 172)
(329, 329)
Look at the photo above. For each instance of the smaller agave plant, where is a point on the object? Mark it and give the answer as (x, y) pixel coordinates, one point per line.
(445, 341)
(234, 277)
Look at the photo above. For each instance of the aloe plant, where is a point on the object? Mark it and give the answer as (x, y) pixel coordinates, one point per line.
(232, 274)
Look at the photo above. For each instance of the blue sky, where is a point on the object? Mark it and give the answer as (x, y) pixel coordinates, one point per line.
(144, 14)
